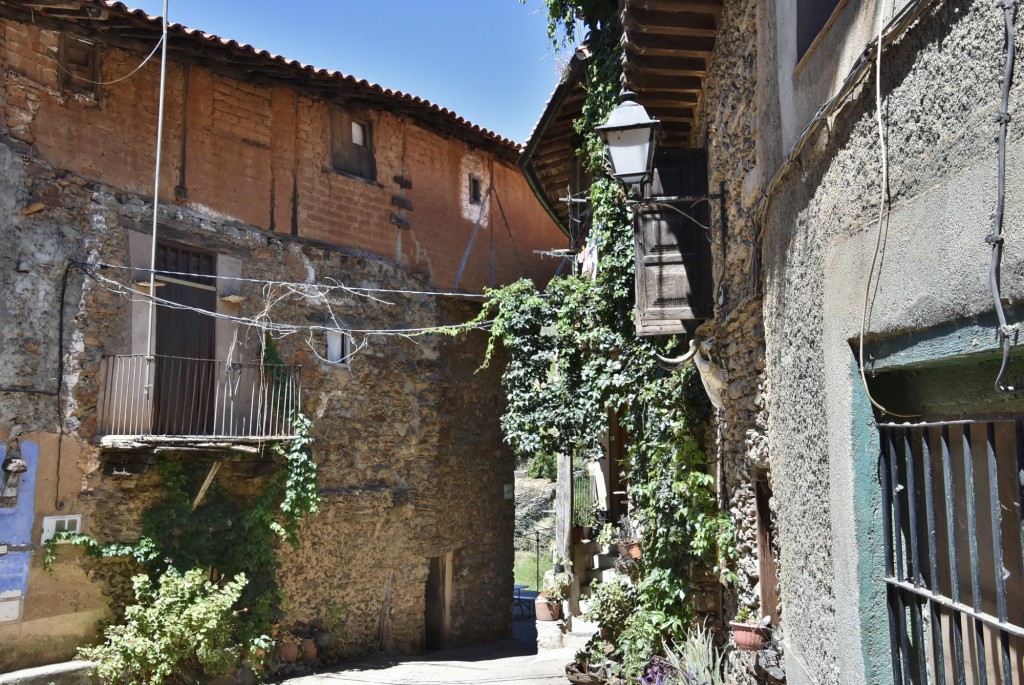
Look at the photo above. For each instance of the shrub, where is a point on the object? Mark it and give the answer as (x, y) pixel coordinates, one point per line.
(181, 625)
(543, 465)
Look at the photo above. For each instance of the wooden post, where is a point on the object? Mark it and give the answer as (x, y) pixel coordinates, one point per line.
(563, 507)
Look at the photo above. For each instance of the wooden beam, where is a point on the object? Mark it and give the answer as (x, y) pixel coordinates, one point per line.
(640, 82)
(695, 6)
(695, 46)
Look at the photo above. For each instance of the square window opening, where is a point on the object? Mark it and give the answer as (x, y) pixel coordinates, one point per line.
(352, 145)
(812, 18)
(71, 524)
(338, 347)
(78, 62)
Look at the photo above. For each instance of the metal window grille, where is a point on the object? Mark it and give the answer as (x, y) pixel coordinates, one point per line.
(581, 502)
(954, 566)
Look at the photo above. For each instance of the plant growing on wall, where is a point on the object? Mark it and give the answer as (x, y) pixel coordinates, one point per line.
(179, 626)
(229, 543)
(573, 355)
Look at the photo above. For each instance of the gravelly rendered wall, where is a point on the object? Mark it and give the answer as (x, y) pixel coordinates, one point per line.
(940, 86)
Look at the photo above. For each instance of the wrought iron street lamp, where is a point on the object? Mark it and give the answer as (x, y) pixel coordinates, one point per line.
(630, 135)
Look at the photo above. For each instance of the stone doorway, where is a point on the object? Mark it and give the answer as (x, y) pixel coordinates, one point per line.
(437, 610)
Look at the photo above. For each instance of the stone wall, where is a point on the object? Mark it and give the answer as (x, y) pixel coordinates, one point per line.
(411, 464)
(730, 122)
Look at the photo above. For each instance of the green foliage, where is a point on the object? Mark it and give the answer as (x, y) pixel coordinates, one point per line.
(563, 15)
(611, 605)
(227, 536)
(695, 658)
(180, 625)
(574, 356)
(543, 465)
(296, 486)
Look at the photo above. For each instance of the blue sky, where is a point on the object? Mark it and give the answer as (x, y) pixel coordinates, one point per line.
(490, 61)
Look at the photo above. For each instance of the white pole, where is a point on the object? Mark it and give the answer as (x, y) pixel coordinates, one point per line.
(156, 191)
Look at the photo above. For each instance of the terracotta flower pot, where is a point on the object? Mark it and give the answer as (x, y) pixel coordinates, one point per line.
(288, 652)
(634, 550)
(547, 610)
(308, 649)
(748, 636)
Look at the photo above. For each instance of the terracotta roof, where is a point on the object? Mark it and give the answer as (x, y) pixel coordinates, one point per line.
(116, 17)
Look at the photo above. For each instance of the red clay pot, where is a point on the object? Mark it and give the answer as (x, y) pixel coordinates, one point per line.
(748, 636)
(545, 610)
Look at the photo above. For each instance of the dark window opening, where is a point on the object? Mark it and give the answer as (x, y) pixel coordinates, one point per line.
(338, 346)
(811, 18)
(475, 190)
(78, 64)
(352, 145)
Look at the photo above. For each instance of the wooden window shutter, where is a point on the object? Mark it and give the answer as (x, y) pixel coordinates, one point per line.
(79, 65)
(352, 145)
(673, 251)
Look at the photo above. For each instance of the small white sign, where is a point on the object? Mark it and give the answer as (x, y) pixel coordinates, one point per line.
(510, 490)
(10, 605)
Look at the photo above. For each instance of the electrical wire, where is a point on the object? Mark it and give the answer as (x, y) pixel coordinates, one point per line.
(995, 238)
(131, 73)
(882, 202)
(263, 322)
(295, 284)
(117, 80)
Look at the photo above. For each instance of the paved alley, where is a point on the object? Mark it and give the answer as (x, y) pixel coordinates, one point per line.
(514, 661)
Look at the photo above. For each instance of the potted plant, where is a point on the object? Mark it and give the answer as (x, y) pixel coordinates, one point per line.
(590, 524)
(628, 538)
(553, 589)
(696, 657)
(749, 635)
(588, 665)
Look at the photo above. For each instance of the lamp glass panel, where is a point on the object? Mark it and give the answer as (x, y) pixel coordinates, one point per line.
(630, 151)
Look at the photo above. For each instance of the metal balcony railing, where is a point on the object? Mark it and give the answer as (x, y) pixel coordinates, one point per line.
(196, 399)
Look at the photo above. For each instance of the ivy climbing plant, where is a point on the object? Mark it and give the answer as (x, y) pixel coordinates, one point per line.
(574, 356)
(228, 540)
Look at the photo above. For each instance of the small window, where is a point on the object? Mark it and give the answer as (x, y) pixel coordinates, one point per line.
(60, 524)
(352, 145)
(338, 347)
(811, 18)
(475, 190)
(78, 66)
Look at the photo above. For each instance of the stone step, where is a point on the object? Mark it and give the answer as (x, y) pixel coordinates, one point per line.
(603, 575)
(64, 673)
(549, 635)
(604, 560)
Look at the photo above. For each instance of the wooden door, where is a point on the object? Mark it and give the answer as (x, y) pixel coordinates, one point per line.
(185, 372)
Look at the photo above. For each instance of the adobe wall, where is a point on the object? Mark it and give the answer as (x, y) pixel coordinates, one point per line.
(411, 463)
(260, 154)
(941, 84)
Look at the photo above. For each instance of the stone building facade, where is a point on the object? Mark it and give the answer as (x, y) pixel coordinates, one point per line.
(283, 180)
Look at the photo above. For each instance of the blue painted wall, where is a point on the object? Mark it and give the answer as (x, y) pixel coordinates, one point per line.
(16, 523)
